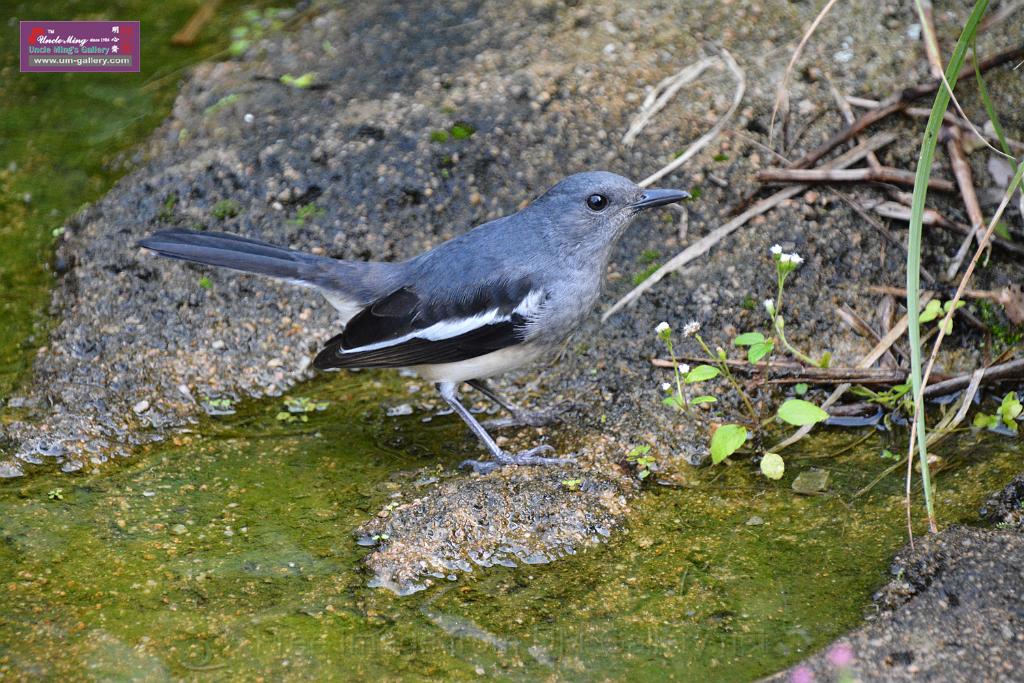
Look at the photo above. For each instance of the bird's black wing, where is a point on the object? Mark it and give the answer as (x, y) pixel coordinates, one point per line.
(407, 328)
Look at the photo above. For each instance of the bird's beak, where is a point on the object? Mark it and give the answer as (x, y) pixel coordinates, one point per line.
(652, 198)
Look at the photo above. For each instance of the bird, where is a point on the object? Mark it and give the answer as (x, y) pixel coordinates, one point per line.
(499, 297)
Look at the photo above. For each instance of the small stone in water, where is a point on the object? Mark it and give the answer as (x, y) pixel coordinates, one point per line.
(812, 481)
(179, 529)
(403, 409)
(755, 521)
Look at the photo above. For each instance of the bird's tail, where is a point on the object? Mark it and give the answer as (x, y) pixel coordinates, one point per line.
(231, 251)
(344, 283)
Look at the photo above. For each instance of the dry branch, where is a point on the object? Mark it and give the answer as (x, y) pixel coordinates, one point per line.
(884, 174)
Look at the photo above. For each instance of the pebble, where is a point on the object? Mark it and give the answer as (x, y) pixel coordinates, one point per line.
(141, 407)
(396, 411)
(811, 481)
(179, 529)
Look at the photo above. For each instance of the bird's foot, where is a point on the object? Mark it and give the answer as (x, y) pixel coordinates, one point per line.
(528, 418)
(528, 457)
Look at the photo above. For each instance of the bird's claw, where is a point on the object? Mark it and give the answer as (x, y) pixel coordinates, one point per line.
(528, 457)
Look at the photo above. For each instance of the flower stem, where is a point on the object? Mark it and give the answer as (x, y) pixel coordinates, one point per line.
(724, 368)
(679, 384)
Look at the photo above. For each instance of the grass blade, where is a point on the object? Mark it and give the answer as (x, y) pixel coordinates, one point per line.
(924, 167)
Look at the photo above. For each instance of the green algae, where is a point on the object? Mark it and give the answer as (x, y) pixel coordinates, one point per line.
(230, 553)
(65, 138)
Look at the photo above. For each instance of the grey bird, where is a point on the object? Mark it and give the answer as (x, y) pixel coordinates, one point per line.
(494, 299)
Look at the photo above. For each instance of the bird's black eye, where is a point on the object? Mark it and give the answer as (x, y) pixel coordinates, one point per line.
(597, 202)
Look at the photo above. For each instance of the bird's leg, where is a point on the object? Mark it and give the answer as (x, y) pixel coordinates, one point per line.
(519, 416)
(501, 457)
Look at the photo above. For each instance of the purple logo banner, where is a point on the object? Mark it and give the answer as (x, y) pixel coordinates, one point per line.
(83, 46)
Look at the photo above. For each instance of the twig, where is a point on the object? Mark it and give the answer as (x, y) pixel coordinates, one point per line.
(663, 93)
(965, 179)
(794, 373)
(859, 325)
(885, 174)
(1008, 370)
(782, 93)
(190, 31)
(703, 245)
(850, 118)
(991, 294)
(1000, 15)
(934, 218)
(706, 139)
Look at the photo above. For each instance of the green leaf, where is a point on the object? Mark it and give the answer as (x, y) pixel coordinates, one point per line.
(800, 389)
(462, 130)
(983, 421)
(702, 399)
(636, 451)
(932, 311)
(799, 412)
(825, 360)
(772, 466)
(205, 283)
(889, 455)
(748, 339)
(760, 350)
(726, 440)
(701, 373)
(1010, 409)
(672, 401)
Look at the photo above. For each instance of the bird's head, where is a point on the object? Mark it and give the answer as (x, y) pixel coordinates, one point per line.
(591, 210)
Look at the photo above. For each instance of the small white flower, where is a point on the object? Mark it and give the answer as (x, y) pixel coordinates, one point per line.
(684, 368)
(776, 249)
(248, 118)
(662, 327)
(785, 258)
(796, 258)
(769, 305)
(692, 328)
(666, 386)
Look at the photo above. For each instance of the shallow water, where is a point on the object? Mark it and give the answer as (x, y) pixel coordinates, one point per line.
(64, 140)
(230, 553)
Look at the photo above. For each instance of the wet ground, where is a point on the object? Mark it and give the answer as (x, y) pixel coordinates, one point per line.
(231, 549)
